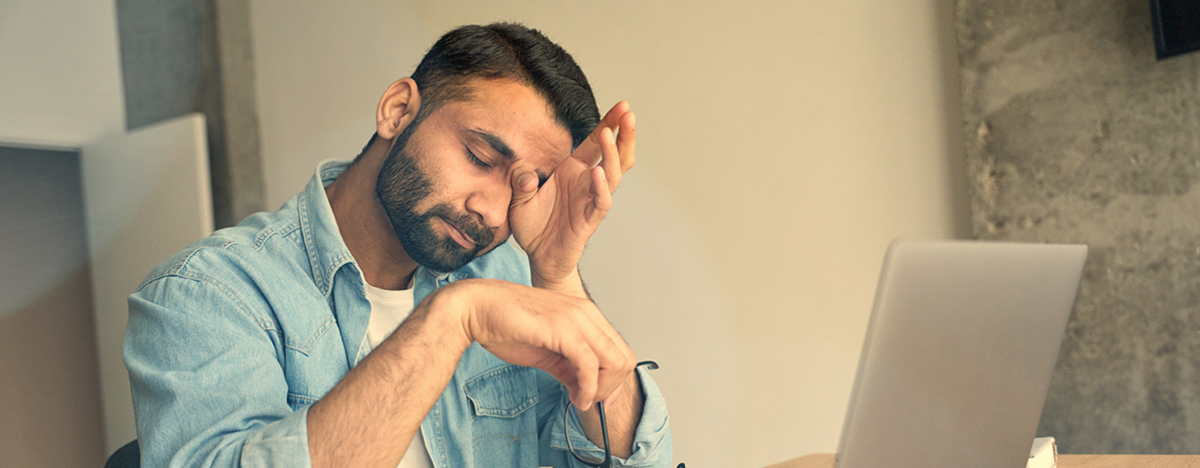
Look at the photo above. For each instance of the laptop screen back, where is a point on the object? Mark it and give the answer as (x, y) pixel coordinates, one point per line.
(959, 351)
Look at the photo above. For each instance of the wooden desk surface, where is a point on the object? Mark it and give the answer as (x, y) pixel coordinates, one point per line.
(825, 460)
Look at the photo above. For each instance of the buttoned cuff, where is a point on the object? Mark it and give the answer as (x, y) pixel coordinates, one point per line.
(651, 443)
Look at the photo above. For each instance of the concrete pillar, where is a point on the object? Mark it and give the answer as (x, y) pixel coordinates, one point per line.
(1076, 134)
(184, 56)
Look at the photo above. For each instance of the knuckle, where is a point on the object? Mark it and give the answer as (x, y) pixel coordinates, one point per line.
(588, 359)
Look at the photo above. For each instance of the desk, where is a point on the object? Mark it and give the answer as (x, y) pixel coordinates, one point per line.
(825, 460)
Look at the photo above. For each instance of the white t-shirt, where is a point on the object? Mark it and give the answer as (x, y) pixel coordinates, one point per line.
(388, 309)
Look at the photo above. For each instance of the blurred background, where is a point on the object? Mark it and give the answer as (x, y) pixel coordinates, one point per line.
(782, 144)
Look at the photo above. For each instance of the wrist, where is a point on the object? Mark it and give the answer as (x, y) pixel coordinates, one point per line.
(630, 394)
(452, 308)
(571, 284)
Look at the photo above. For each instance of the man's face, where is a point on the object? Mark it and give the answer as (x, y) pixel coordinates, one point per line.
(446, 183)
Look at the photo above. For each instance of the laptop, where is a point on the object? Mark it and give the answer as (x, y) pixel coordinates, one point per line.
(958, 355)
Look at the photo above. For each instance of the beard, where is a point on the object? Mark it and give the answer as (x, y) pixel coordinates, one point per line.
(401, 187)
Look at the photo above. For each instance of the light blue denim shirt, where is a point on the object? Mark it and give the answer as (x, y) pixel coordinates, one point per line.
(233, 338)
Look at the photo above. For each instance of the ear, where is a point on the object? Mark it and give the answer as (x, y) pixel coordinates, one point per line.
(397, 108)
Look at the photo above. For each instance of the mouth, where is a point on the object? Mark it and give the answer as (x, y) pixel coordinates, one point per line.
(458, 235)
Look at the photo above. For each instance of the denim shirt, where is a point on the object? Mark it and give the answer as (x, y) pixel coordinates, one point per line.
(232, 339)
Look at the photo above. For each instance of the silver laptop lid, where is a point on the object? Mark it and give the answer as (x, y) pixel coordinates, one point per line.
(958, 355)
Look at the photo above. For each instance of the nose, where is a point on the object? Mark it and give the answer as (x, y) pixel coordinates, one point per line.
(490, 203)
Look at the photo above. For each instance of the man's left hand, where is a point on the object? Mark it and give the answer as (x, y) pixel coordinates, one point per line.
(553, 223)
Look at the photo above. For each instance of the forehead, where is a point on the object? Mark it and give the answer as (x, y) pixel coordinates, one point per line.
(516, 116)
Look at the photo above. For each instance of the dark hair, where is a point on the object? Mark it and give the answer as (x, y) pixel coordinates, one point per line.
(512, 51)
(505, 51)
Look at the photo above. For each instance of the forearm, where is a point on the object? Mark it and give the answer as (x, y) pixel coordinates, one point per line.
(371, 415)
(625, 411)
(622, 416)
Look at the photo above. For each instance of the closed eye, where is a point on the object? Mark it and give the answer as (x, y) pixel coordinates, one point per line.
(476, 161)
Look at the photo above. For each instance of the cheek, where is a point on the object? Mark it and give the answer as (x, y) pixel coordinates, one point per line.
(441, 188)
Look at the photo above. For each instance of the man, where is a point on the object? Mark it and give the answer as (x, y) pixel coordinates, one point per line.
(381, 317)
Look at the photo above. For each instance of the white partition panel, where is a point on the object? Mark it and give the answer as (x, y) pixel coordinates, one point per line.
(146, 195)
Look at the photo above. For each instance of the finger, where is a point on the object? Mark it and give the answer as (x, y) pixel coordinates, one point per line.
(627, 141)
(588, 364)
(524, 186)
(613, 360)
(587, 373)
(613, 118)
(601, 198)
(611, 162)
(601, 323)
(616, 358)
(588, 151)
(615, 364)
(564, 372)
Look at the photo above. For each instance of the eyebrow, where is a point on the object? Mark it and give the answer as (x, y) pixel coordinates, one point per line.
(505, 151)
(496, 143)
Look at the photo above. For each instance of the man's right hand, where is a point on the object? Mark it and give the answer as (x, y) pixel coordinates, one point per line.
(566, 336)
(382, 400)
(554, 222)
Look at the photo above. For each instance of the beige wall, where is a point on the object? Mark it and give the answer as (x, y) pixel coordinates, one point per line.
(60, 86)
(782, 144)
(49, 393)
(321, 68)
(60, 82)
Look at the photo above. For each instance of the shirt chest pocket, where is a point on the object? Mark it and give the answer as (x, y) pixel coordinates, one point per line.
(504, 392)
(504, 426)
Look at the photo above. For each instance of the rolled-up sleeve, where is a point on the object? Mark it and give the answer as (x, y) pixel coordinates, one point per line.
(208, 385)
(651, 444)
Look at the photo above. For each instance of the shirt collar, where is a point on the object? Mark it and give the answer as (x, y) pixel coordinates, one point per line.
(327, 252)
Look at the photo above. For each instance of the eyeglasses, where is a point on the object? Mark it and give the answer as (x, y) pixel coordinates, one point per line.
(589, 460)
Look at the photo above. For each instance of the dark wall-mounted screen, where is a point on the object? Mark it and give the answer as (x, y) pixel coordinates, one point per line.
(1176, 26)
